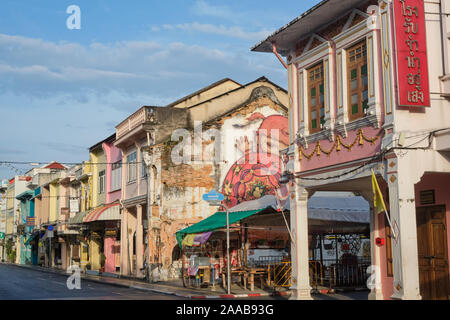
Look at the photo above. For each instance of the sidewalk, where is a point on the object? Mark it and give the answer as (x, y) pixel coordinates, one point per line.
(174, 287)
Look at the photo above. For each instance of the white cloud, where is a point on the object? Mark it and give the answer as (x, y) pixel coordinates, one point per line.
(232, 32)
(41, 69)
(203, 8)
(67, 96)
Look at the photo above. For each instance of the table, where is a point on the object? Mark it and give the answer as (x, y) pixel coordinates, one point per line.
(252, 272)
(239, 272)
(248, 275)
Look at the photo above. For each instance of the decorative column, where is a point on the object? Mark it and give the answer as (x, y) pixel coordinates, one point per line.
(401, 179)
(139, 241)
(301, 289)
(124, 259)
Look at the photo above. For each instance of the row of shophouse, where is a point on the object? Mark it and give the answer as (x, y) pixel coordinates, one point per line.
(368, 92)
(120, 209)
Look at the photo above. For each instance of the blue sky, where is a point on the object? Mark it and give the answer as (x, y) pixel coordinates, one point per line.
(62, 91)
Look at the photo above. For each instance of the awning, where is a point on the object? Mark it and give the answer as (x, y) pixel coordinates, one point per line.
(104, 213)
(214, 222)
(78, 219)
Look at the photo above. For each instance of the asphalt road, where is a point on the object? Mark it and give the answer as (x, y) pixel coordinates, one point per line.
(26, 284)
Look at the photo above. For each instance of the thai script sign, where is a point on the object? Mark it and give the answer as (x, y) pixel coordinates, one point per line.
(411, 47)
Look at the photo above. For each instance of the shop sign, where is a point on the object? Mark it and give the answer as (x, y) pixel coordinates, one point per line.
(110, 233)
(411, 53)
(74, 206)
(31, 221)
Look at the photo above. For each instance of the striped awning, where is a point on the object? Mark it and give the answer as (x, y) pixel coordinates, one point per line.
(104, 213)
(78, 219)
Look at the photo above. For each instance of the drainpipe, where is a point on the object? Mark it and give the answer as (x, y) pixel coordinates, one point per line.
(442, 39)
(274, 50)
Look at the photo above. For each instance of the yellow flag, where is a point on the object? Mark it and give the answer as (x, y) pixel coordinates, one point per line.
(188, 241)
(378, 201)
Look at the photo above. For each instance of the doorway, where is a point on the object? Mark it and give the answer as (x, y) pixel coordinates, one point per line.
(433, 253)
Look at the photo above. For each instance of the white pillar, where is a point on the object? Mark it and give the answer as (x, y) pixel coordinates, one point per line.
(301, 288)
(374, 272)
(124, 243)
(403, 218)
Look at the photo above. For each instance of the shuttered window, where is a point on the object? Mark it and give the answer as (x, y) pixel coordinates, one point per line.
(316, 94)
(358, 81)
(101, 182)
(75, 252)
(132, 167)
(116, 176)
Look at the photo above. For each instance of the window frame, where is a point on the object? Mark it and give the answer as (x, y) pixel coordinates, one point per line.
(116, 174)
(102, 182)
(357, 63)
(143, 166)
(132, 167)
(319, 105)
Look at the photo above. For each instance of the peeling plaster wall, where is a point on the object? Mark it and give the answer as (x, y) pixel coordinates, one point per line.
(177, 190)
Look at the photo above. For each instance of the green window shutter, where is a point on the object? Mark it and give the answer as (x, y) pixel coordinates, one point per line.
(364, 70)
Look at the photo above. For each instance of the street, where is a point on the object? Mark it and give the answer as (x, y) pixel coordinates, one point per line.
(25, 284)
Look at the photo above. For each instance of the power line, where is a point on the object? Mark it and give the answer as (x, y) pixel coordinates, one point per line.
(38, 163)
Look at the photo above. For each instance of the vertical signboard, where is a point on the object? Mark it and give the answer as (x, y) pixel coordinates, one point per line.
(411, 53)
(31, 221)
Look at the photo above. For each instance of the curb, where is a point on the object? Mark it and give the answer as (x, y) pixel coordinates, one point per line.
(136, 287)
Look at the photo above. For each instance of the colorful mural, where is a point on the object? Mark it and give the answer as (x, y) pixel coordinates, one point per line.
(256, 173)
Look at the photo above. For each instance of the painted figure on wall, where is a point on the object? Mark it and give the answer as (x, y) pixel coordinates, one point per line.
(257, 172)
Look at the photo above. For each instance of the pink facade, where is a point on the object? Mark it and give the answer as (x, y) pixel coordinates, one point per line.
(113, 155)
(112, 254)
(348, 78)
(111, 245)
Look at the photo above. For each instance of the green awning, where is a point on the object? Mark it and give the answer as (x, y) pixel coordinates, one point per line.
(78, 219)
(214, 222)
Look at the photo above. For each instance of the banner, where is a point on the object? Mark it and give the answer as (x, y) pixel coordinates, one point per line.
(411, 53)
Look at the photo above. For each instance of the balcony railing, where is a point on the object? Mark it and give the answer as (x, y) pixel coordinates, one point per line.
(132, 122)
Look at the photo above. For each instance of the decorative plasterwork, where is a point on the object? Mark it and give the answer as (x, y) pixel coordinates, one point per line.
(360, 138)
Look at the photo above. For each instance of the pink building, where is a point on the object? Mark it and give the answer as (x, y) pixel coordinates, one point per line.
(113, 192)
(369, 87)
